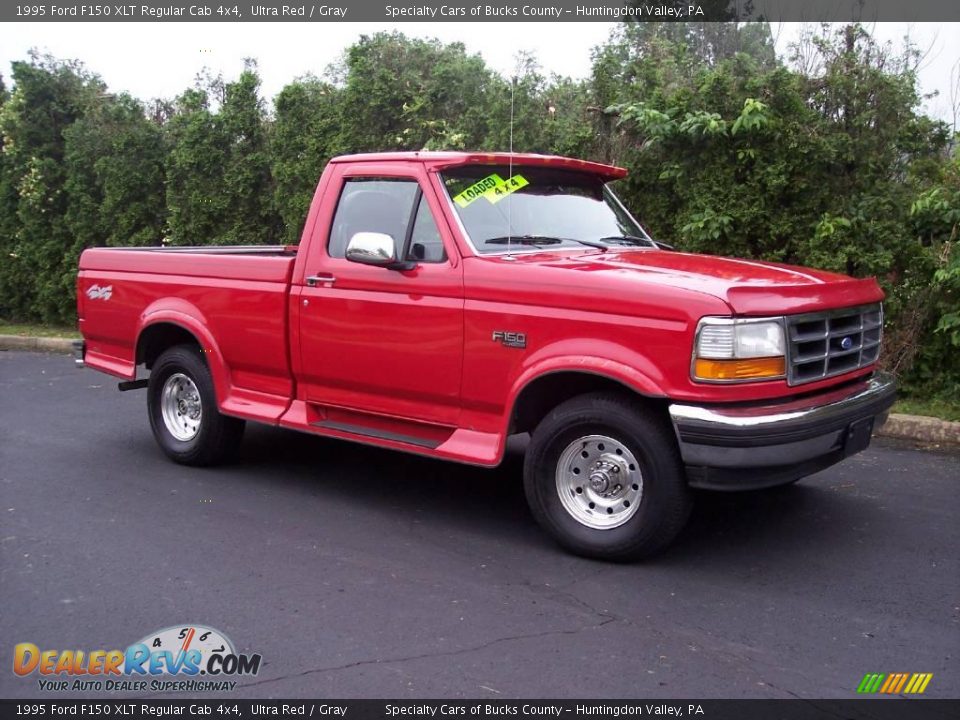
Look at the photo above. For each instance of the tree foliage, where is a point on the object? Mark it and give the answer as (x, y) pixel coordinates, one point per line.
(736, 155)
(822, 157)
(304, 132)
(48, 97)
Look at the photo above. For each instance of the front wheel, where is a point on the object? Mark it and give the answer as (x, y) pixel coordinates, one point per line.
(603, 476)
(182, 406)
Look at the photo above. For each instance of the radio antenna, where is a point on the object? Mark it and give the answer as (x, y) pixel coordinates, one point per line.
(513, 85)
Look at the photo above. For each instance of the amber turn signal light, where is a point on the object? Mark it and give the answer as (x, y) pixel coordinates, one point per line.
(753, 368)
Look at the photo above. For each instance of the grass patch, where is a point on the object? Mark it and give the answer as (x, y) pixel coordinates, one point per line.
(7, 328)
(935, 407)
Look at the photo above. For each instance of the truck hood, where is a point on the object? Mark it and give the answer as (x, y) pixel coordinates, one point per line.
(749, 287)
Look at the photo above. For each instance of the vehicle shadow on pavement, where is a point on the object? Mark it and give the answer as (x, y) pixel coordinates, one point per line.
(491, 502)
(370, 478)
(807, 515)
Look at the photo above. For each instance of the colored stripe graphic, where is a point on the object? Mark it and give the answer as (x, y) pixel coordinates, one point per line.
(918, 683)
(895, 683)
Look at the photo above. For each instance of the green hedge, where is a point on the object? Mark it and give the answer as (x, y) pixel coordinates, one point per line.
(823, 158)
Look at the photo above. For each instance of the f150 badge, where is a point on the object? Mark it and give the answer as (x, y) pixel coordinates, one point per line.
(100, 292)
(510, 339)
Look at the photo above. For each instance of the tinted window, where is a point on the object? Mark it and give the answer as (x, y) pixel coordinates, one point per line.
(562, 206)
(372, 205)
(425, 242)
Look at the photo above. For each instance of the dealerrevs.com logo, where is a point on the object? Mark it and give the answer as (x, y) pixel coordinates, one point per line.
(181, 658)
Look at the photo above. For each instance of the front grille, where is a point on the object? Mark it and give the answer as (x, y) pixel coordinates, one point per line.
(834, 342)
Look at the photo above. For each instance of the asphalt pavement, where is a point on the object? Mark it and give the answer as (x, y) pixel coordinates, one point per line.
(356, 572)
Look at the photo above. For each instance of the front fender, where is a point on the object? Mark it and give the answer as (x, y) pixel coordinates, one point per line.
(594, 357)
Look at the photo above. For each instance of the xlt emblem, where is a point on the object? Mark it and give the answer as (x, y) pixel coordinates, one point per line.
(510, 339)
(100, 292)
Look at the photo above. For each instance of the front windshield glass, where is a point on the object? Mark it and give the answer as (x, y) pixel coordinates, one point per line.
(539, 207)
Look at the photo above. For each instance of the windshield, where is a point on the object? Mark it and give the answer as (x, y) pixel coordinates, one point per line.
(538, 206)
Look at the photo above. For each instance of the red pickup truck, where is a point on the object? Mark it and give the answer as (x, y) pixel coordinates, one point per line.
(441, 302)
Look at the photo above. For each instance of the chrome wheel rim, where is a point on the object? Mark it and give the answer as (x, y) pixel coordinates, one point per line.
(180, 407)
(599, 482)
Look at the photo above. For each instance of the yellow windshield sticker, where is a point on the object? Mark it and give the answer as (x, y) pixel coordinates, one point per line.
(477, 190)
(493, 187)
(498, 193)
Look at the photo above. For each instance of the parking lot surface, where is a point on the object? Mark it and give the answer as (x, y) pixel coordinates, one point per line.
(356, 572)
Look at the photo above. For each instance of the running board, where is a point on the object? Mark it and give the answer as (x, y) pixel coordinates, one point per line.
(377, 433)
(473, 447)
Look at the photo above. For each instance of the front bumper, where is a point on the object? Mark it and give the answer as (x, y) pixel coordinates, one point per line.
(749, 446)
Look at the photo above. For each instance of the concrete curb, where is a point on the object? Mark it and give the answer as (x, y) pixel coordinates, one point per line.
(907, 427)
(921, 429)
(40, 344)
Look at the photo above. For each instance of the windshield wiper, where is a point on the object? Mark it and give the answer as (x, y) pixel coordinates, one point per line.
(629, 240)
(542, 240)
(523, 240)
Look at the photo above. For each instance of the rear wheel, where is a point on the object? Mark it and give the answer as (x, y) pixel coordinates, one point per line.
(182, 406)
(603, 476)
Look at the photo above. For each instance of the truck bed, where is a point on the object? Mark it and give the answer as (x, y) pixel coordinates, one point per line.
(270, 263)
(232, 299)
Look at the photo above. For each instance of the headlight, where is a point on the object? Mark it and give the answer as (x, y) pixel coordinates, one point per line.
(728, 350)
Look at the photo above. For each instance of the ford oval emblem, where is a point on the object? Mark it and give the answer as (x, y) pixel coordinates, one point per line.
(846, 343)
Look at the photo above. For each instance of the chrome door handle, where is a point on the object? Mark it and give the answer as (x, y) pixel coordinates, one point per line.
(314, 280)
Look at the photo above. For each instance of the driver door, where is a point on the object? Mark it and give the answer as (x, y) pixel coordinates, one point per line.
(376, 340)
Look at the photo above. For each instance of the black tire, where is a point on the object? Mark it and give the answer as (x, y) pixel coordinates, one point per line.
(217, 436)
(664, 505)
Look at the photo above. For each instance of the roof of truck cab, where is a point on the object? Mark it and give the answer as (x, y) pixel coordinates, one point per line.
(439, 160)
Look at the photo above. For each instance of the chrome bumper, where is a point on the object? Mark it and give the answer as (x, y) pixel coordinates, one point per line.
(747, 446)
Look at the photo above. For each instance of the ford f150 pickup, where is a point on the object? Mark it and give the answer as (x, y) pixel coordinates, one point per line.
(440, 302)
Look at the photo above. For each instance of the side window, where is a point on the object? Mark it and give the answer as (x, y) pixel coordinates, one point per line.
(371, 205)
(425, 242)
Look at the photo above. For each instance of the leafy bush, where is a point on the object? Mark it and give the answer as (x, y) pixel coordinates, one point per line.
(834, 168)
(823, 159)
